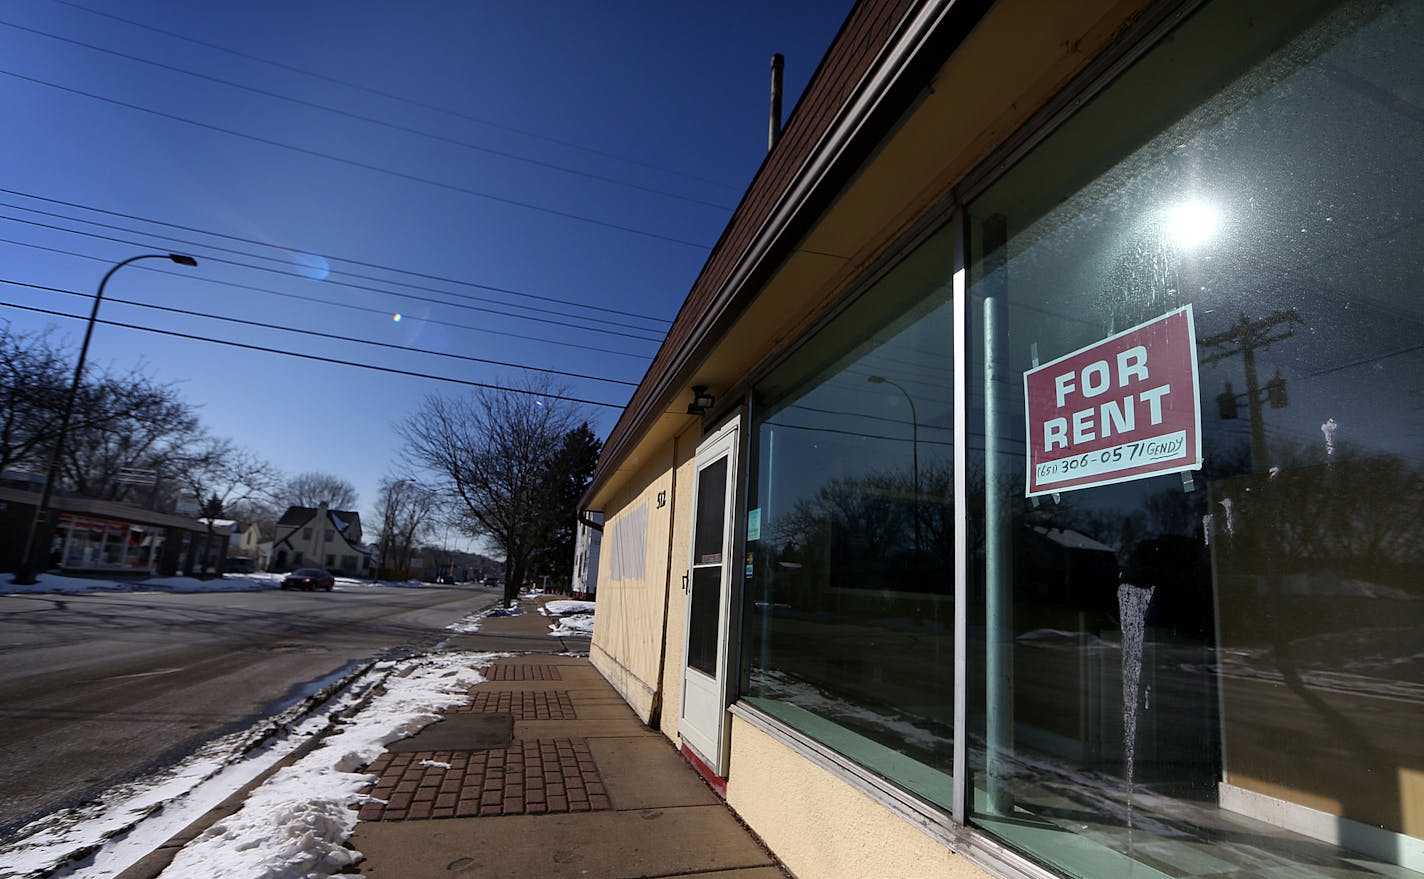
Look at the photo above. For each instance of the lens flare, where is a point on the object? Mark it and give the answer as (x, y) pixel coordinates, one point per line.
(310, 265)
(396, 317)
(1191, 224)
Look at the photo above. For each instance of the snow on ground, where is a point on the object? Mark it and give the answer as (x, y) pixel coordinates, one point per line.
(579, 625)
(128, 821)
(294, 825)
(471, 623)
(56, 583)
(468, 625)
(572, 618)
(566, 607)
(49, 583)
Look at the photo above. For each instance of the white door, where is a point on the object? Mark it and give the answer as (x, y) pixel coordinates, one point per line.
(704, 677)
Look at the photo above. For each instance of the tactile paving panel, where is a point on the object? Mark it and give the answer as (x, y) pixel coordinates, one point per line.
(556, 705)
(524, 673)
(528, 778)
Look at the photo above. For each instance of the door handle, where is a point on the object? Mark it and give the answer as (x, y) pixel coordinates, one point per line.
(685, 583)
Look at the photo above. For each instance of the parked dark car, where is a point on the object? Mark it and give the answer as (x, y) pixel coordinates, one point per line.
(309, 579)
(240, 565)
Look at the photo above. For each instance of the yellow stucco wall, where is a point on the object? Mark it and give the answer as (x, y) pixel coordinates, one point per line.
(820, 826)
(627, 643)
(686, 457)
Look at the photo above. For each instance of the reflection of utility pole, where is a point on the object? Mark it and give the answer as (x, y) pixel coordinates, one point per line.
(1246, 336)
(1000, 463)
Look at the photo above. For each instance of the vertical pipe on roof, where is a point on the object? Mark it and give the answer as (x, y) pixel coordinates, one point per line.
(774, 128)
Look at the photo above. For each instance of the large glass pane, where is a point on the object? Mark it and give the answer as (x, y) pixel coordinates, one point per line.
(1219, 672)
(710, 532)
(849, 596)
(704, 618)
(709, 536)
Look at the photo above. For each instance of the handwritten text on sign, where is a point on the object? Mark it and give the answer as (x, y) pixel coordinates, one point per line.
(1123, 408)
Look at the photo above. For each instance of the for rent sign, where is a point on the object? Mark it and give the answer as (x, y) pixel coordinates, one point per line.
(1120, 409)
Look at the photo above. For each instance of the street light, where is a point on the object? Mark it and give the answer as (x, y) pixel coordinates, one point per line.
(24, 572)
(914, 449)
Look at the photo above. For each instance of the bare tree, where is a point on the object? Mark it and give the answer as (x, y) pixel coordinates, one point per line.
(492, 452)
(220, 474)
(120, 420)
(312, 488)
(404, 512)
(259, 511)
(147, 426)
(33, 380)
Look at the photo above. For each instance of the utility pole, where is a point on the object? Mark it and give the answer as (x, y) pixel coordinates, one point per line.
(1246, 336)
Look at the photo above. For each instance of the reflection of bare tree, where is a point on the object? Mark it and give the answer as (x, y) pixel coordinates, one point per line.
(1316, 577)
(1355, 518)
(862, 529)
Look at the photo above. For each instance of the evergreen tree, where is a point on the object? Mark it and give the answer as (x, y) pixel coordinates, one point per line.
(569, 475)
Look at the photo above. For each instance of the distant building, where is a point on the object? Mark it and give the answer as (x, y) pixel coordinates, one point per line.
(587, 542)
(97, 536)
(320, 538)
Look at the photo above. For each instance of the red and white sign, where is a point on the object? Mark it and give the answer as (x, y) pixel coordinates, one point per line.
(1120, 409)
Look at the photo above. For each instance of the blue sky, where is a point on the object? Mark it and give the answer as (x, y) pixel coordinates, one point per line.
(652, 116)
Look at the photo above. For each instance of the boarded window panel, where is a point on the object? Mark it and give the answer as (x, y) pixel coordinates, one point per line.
(629, 557)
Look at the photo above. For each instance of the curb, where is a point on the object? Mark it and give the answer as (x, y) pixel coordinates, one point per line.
(156, 861)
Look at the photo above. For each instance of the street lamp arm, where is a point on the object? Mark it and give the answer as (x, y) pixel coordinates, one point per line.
(914, 448)
(24, 571)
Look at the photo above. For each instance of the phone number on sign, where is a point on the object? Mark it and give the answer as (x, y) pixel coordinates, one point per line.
(1121, 457)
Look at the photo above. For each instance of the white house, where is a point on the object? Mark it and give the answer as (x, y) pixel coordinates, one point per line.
(319, 538)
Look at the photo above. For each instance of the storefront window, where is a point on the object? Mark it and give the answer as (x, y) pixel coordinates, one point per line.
(100, 544)
(849, 584)
(1212, 663)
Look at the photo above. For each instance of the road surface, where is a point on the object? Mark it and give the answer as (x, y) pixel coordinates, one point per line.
(97, 688)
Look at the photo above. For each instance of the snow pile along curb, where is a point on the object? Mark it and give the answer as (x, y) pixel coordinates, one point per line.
(296, 824)
(572, 618)
(471, 623)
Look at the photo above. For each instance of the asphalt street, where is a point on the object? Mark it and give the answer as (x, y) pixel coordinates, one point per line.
(97, 689)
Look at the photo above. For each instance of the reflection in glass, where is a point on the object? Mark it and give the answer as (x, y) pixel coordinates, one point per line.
(708, 543)
(849, 602)
(1221, 674)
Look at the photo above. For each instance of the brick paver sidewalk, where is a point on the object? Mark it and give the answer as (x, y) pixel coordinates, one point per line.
(528, 778)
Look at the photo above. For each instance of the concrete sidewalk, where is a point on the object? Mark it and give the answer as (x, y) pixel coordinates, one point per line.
(547, 773)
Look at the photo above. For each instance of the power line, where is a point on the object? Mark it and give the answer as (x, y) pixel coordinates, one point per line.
(363, 165)
(364, 118)
(345, 259)
(401, 98)
(403, 295)
(347, 305)
(332, 360)
(321, 335)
